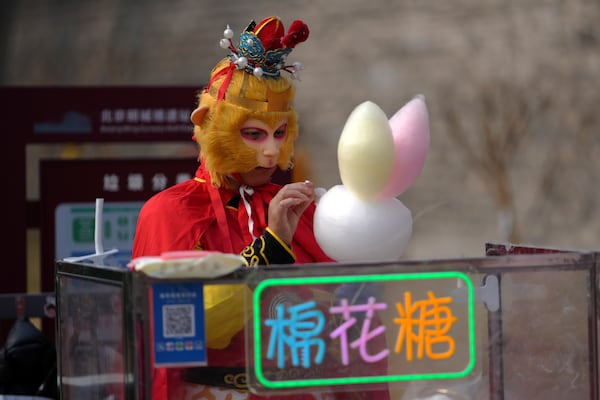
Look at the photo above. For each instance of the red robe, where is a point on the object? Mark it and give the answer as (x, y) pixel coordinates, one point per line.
(196, 215)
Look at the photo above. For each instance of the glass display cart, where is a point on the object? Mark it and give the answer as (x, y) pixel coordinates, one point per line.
(517, 323)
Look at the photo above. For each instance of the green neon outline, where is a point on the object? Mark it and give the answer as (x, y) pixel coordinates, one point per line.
(360, 379)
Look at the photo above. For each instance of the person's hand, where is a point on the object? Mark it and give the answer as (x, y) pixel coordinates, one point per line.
(287, 206)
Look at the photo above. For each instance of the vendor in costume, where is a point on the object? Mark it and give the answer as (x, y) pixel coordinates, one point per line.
(245, 125)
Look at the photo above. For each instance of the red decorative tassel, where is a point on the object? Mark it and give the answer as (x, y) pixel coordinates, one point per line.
(226, 82)
(227, 70)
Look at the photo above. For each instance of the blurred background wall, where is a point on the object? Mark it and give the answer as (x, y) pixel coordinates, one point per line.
(512, 88)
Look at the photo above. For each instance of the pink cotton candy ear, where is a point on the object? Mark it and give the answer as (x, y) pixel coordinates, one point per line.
(410, 130)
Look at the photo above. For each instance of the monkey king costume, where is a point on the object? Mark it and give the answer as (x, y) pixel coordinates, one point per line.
(215, 212)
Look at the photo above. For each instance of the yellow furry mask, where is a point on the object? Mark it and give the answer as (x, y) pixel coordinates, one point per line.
(247, 84)
(217, 123)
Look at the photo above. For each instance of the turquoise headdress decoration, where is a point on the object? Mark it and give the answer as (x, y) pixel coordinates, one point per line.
(263, 47)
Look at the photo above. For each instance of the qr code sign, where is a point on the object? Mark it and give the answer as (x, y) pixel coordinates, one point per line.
(178, 320)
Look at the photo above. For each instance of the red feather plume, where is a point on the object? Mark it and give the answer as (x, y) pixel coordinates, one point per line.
(297, 33)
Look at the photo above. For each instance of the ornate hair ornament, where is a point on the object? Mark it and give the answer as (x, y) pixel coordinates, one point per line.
(264, 48)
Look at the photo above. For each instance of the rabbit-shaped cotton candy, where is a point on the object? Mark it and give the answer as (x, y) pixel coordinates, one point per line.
(362, 220)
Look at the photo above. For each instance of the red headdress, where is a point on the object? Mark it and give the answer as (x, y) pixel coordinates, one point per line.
(263, 50)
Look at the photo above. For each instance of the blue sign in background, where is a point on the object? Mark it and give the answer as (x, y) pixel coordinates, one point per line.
(178, 324)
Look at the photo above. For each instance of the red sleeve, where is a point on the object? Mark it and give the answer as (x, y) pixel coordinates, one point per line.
(173, 219)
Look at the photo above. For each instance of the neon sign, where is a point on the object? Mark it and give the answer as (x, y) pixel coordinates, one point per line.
(411, 321)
